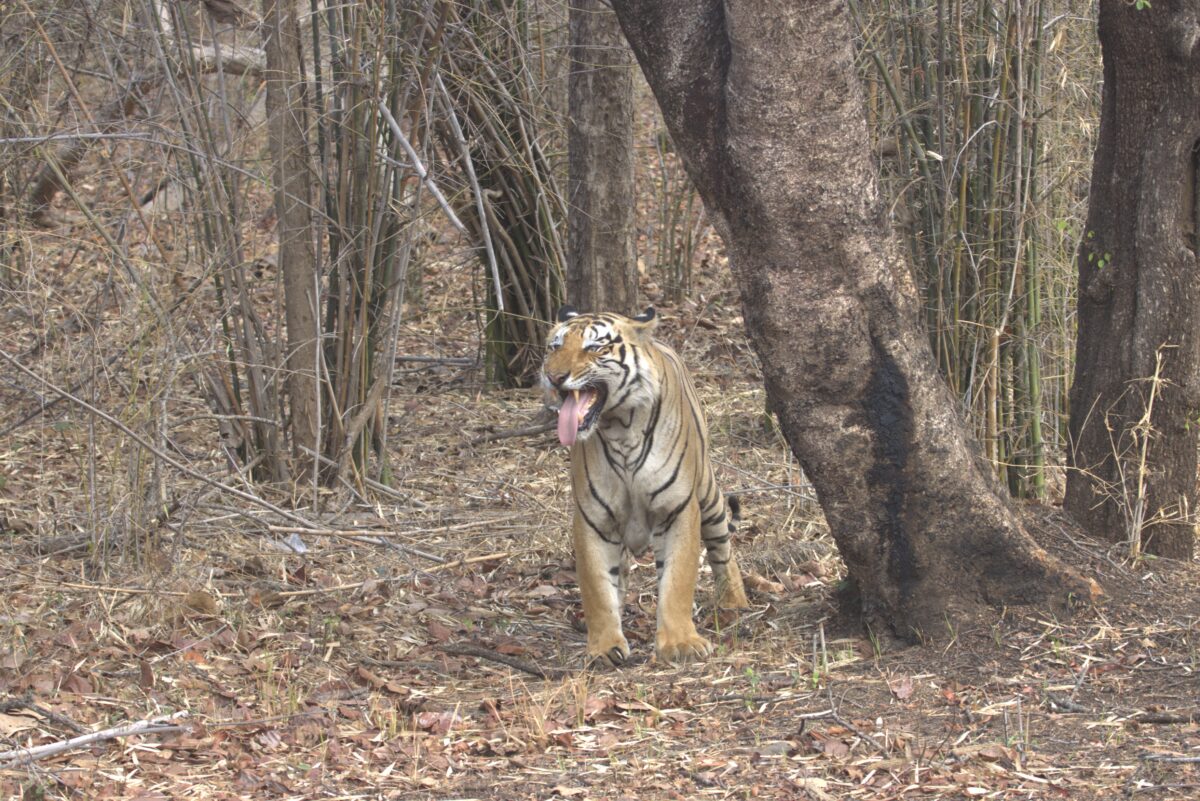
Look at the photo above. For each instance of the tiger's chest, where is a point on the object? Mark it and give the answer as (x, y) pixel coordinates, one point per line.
(632, 488)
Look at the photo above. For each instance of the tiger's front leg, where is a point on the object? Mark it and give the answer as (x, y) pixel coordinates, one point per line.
(677, 558)
(598, 566)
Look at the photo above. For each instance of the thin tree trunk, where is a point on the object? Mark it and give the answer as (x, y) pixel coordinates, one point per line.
(764, 105)
(293, 175)
(601, 272)
(1134, 475)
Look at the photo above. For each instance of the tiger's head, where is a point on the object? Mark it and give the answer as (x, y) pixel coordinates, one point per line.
(592, 366)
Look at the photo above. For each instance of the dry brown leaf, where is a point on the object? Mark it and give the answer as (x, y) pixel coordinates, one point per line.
(439, 632)
(902, 688)
(834, 748)
(374, 681)
(199, 602)
(11, 724)
(437, 722)
(814, 787)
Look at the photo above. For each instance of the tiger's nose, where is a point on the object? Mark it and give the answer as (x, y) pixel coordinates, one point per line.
(557, 379)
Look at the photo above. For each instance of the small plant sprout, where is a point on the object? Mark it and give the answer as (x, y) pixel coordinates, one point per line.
(752, 678)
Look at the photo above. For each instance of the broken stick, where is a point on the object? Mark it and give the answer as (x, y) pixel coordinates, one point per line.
(158, 725)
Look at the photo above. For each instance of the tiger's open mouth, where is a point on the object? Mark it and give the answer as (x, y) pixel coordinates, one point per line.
(580, 410)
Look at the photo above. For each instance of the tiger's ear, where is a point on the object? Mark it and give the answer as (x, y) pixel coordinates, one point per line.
(646, 316)
(645, 323)
(566, 313)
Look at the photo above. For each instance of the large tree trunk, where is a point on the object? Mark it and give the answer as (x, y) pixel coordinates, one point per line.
(292, 175)
(601, 275)
(764, 105)
(1139, 287)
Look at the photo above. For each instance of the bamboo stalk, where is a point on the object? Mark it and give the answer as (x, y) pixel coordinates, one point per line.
(965, 91)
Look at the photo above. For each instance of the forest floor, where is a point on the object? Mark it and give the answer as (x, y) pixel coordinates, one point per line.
(426, 642)
(373, 664)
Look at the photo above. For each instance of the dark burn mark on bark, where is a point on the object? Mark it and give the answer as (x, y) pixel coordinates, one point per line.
(889, 415)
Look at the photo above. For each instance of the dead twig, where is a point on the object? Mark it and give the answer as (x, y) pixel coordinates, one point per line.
(1167, 717)
(376, 532)
(359, 584)
(378, 537)
(526, 431)
(841, 721)
(422, 173)
(158, 725)
(253, 722)
(489, 557)
(453, 361)
(108, 588)
(467, 649)
(460, 139)
(1168, 758)
(1066, 704)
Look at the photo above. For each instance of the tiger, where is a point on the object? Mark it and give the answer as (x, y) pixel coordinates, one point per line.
(641, 476)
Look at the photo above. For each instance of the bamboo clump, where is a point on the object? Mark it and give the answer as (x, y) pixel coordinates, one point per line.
(958, 95)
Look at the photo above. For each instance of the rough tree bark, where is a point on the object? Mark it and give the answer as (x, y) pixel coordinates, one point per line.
(763, 102)
(292, 176)
(1139, 287)
(601, 273)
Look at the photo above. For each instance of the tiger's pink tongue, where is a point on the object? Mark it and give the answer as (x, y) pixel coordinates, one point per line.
(574, 409)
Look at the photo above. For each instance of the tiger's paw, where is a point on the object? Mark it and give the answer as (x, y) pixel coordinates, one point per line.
(608, 652)
(733, 596)
(686, 648)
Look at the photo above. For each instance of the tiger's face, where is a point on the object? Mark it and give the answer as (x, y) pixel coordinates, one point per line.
(593, 367)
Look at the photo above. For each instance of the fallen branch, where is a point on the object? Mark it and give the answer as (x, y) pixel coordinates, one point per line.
(466, 649)
(1168, 758)
(1167, 717)
(379, 537)
(1066, 704)
(378, 532)
(233, 60)
(422, 173)
(395, 546)
(527, 431)
(157, 725)
(456, 361)
(254, 722)
(841, 721)
(73, 585)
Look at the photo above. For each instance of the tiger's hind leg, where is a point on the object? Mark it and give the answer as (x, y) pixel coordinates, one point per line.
(599, 565)
(716, 531)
